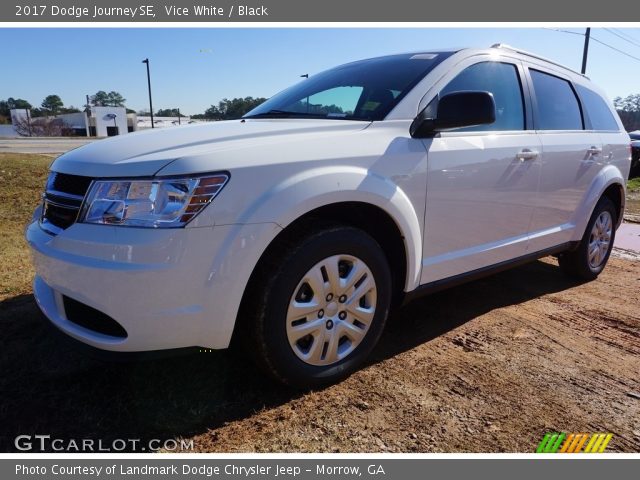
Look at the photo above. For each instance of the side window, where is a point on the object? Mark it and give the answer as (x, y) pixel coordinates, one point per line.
(598, 110)
(503, 81)
(558, 107)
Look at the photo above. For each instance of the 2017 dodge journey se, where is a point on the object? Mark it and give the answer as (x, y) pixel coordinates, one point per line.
(296, 228)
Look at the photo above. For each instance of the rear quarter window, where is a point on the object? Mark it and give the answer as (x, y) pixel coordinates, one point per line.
(599, 112)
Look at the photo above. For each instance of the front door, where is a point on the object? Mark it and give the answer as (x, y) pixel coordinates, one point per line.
(482, 182)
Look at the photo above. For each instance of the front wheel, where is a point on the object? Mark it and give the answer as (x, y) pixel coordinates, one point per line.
(589, 259)
(322, 307)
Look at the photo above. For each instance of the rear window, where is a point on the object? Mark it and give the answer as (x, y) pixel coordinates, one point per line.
(597, 109)
(557, 104)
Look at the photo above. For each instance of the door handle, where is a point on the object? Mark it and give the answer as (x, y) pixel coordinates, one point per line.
(593, 150)
(527, 154)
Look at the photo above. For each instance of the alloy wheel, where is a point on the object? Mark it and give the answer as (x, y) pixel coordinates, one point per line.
(600, 239)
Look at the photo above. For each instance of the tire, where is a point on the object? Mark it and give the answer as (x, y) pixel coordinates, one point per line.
(588, 260)
(634, 171)
(298, 326)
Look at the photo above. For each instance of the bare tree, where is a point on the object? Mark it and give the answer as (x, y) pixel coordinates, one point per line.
(41, 127)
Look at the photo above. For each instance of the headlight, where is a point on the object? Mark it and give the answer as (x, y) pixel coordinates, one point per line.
(153, 203)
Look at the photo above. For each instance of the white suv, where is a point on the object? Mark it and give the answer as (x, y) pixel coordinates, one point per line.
(297, 228)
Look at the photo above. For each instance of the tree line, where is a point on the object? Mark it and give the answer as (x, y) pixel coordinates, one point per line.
(51, 105)
(230, 109)
(226, 109)
(629, 110)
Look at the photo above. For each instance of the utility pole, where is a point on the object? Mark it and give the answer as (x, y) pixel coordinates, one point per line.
(87, 117)
(587, 36)
(146, 60)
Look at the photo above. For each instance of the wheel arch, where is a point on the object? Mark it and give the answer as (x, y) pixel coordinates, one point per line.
(351, 196)
(615, 193)
(610, 183)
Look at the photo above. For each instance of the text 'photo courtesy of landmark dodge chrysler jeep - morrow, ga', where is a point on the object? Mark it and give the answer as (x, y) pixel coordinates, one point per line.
(294, 230)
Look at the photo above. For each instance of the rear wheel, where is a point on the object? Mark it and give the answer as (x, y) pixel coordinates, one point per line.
(592, 254)
(322, 307)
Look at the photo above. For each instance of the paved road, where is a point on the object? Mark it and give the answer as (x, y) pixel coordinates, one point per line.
(41, 145)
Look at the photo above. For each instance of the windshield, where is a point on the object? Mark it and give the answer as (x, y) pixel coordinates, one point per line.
(365, 90)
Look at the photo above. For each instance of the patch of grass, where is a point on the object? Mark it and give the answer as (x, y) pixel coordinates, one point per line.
(22, 178)
(633, 185)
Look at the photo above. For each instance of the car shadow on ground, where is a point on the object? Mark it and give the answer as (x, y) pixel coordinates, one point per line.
(48, 388)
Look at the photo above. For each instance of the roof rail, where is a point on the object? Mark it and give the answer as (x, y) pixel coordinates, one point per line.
(533, 55)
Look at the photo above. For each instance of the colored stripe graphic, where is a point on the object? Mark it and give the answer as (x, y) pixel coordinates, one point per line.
(550, 443)
(573, 442)
(592, 440)
(556, 445)
(569, 441)
(596, 445)
(543, 443)
(606, 441)
(580, 444)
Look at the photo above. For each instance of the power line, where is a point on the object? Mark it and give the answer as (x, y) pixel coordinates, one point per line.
(598, 41)
(564, 31)
(611, 31)
(614, 48)
(625, 34)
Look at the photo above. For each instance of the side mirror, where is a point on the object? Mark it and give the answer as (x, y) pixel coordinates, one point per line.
(455, 110)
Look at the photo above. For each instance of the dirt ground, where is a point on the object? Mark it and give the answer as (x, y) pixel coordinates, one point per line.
(485, 367)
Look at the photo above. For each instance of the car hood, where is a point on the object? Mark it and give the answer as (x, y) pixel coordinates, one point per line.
(146, 153)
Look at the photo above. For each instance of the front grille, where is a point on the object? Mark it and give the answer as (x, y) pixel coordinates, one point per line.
(92, 319)
(70, 184)
(58, 215)
(62, 200)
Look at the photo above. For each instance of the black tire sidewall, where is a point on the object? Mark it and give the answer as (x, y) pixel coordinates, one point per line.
(339, 240)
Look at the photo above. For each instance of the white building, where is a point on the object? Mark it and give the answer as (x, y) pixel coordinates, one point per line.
(109, 121)
(101, 122)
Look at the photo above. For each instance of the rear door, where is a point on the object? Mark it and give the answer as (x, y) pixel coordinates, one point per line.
(571, 157)
(481, 181)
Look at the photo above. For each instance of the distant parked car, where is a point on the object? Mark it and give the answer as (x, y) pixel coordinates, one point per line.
(635, 154)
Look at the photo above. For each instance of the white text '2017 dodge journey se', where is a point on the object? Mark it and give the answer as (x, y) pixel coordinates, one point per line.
(296, 228)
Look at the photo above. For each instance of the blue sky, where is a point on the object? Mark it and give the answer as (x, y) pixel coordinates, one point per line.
(192, 68)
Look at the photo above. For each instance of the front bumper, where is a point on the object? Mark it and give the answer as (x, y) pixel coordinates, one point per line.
(172, 288)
